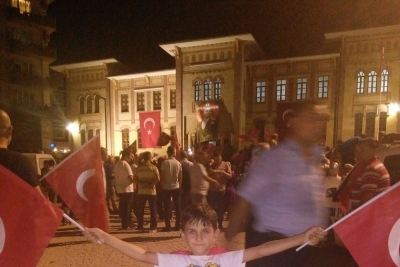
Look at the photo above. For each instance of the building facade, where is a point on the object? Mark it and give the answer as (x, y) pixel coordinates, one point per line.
(35, 105)
(222, 87)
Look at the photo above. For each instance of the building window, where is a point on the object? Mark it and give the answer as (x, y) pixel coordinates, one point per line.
(372, 76)
(156, 100)
(207, 90)
(140, 101)
(358, 123)
(124, 103)
(260, 127)
(260, 92)
(280, 90)
(96, 104)
(97, 131)
(125, 138)
(217, 89)
(173, 133)
(90, 134)
(301, 88)
(360, 82)
(89, 105)
(139, 139)
(323, 85)
(370, 124)
(382, 121)
(172, 99)
(23, 5)
(83, 137)
(384, 81)
(197, 91)
(81, 105)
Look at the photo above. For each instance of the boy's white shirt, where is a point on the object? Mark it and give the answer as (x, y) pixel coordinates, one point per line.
(227, 259)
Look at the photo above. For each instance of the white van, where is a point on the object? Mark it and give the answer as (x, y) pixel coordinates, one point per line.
(37, 160)
(389, 154)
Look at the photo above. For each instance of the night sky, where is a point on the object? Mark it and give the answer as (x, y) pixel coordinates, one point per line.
(131, 31)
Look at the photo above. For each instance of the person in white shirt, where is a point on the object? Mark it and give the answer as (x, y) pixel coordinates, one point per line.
(199, 230)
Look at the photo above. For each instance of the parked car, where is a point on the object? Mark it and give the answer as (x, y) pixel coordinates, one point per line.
(37, 160)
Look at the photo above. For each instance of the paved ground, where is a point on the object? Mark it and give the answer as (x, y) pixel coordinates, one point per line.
(69, 248)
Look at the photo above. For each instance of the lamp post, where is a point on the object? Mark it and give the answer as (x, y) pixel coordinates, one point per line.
(105, 115)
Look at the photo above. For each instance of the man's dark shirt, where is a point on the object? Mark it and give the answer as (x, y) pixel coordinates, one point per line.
(20, 165)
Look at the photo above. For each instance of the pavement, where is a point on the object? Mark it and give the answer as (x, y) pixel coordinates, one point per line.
(69, 248)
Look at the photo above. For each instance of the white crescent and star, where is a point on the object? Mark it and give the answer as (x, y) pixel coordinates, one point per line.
(81, 182)
(2, 235)
(149, 120)
(394, 243)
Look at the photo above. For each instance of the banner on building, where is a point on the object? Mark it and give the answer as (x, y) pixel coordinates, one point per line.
(207, 113)
(150, 128)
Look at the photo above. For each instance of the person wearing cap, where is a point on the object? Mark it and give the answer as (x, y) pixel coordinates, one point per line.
(171, 179)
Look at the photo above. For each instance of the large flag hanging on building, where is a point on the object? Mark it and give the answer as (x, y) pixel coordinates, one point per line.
(28, 221)
(79, 180)
(372, 232)
(150, 128)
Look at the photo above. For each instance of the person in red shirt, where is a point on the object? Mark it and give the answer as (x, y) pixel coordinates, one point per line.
(368, 178)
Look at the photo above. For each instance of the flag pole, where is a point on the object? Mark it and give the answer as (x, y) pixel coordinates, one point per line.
(77, 224)
(355, 211)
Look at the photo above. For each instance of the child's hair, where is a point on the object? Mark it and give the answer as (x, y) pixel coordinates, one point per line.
(199, 213)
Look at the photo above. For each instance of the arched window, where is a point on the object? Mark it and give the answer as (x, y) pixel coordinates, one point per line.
(217, 89)
(96, 104)
(125, 138)
(384, 81)
(358, 124)
(90, 134)
(197, 90)
(81, 105)
(360, 82)
(89, 105)
(372, 76)
(207, 90)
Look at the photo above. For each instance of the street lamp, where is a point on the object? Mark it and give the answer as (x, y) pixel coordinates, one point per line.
(73, 129)
(105, 115)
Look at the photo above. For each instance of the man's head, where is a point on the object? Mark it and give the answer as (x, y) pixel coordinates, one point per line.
(127, 155)
(199, 228)
(184, 154)
(201, 157)
(309, 122)
(171, 151)
(147, 156)
(217, 157)
(365, 150)
(104, 154)
(5, 129)
(51, 163)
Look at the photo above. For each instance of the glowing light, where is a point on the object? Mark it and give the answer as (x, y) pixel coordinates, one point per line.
(73, 128)
(393, 108)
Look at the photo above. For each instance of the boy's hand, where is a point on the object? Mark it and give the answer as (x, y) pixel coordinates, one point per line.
(94, 235)
(314, 235)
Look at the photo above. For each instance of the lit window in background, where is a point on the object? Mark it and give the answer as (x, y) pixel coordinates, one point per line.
(23, 5)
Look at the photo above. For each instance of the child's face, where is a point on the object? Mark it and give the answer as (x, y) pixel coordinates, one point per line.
(200, 238)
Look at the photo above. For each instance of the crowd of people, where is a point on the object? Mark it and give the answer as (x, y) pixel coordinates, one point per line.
(272, 191)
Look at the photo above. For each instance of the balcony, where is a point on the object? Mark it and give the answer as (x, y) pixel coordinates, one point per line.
(12, 13)
(17, 47)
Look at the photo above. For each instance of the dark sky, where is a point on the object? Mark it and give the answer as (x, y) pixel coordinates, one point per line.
(132, 30)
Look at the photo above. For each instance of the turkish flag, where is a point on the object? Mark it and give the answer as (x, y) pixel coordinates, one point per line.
(79, 180)
(28, 221)
(149, 128)
(372, 232)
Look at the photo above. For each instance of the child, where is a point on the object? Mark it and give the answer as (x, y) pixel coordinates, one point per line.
(199, 230)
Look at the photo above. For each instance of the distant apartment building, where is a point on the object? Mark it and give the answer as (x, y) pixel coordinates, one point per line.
(36, 106)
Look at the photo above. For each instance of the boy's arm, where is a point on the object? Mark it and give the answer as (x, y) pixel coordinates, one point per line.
(314, 235)
(97, 236)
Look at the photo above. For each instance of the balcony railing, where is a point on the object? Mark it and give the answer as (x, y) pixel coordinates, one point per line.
(43, 51)
(13, 13)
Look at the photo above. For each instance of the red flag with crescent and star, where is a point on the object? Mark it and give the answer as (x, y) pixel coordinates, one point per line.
(150, 128)
(79, 180)
(372, 232)
(28, 221)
